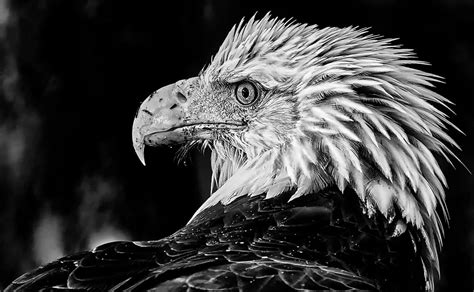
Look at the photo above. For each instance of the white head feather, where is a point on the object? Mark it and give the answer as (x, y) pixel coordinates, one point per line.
(344, 108)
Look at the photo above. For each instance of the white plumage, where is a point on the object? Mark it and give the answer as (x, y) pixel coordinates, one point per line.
(345, 108)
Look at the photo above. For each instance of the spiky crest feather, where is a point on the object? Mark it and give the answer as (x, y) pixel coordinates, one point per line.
(343, 108)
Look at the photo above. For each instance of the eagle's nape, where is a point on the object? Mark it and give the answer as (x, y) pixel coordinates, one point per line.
(325, 173)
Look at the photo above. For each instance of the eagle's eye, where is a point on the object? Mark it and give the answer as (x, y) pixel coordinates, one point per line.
(246, 93)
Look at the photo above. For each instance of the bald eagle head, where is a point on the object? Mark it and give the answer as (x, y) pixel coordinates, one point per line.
(293, 106)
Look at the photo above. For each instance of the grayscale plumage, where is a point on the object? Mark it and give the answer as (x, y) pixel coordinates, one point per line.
(325, 145)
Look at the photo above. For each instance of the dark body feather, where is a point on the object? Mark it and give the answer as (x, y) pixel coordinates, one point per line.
(320, 241)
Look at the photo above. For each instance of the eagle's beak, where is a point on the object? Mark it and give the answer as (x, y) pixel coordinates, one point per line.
(159, 119)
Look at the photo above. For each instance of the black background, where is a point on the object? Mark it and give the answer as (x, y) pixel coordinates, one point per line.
(74, 72)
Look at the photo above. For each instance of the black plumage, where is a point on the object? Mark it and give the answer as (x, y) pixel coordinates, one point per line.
(256, 244)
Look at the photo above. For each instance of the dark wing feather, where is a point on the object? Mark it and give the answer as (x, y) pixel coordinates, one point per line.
(320, 241)
(51, 275)
(265, 275)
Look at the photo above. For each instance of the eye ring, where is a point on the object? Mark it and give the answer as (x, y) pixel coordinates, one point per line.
(246, 93)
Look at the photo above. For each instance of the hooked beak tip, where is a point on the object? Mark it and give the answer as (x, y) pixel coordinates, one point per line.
(139, 148)
(140, 151)
(137, 137)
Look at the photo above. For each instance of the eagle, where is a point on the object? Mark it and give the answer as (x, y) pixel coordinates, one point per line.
(325, 146)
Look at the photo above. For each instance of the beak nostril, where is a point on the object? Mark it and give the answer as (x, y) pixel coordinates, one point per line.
(173, 106)
(180, 97)
(147, 112)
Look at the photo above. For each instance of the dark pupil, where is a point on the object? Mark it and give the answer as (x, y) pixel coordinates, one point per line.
(245, 92)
